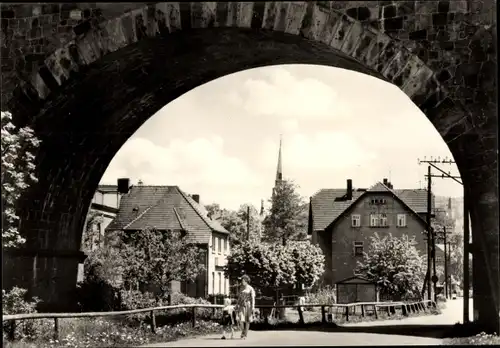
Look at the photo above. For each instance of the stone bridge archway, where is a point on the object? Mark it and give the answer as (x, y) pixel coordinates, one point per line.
(86, 76)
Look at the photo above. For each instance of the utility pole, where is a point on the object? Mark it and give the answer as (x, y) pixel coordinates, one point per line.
(445, 264)
(433, 162)
(248, 223)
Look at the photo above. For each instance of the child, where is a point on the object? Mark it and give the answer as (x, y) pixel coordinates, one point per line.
(228, 318)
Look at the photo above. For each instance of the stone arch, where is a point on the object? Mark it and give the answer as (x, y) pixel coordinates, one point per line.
(85, 84)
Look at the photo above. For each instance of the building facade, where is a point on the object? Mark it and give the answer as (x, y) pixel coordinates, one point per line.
(104, 205)
(169, 208)
(342, 222)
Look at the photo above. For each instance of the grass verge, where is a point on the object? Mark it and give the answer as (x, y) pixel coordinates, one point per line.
(101, 332)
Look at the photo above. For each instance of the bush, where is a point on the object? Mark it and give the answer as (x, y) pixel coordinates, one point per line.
(179, 298)
(322, 296)
(14, 302)
(135, 299)
(217, 299)
(441, 298)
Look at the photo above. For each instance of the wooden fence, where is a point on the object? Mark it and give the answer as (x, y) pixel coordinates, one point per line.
(390, 308)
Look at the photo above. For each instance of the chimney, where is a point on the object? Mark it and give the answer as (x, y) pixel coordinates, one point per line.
(349, 190)
(196, 198)
(386, 182)
(123, 185)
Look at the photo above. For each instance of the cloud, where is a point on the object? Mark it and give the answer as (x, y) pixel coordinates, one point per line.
(323, 150)
(282, 94)
(198, 164)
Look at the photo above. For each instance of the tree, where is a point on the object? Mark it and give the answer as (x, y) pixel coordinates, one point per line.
(159, 257)
(236, 221)
(285, 219)
(395, 265)
(270, 267)
(309, 262)
(18, 172)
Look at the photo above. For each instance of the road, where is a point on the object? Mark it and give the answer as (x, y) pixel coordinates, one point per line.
(450, 315)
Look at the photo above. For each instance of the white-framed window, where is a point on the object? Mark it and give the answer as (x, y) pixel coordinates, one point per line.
(220, 283)
(379, 220)
(383, 220)
(355, 220)
(213, 283)
(225, 246)
(219, 240)
(214, 244)
(401, 220)
(358, 248)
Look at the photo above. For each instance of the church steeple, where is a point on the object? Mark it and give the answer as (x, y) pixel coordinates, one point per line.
(279, 170)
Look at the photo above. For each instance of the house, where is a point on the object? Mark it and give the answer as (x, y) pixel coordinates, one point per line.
(169, 208)
(105, 204)
(342, 221)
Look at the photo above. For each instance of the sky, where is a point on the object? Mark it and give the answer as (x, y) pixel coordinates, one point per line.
(221, 139)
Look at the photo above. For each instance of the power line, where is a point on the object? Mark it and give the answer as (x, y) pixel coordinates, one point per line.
(467, 246)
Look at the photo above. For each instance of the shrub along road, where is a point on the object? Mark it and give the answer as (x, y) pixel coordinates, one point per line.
(449, 316)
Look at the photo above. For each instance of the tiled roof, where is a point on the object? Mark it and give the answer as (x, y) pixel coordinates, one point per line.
(164, 207)
(327, 206)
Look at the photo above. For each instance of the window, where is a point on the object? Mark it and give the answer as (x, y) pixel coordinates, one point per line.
(378, 220)
(226, 286)
(213, 282)
(356, 220)
(401, 220)
(383, 220)
(220, 283)
(378, 201)
(214, 243)
(225, 246)
(220, 245)
(358, 248)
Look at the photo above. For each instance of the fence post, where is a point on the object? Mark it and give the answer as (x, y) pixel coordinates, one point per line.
(375, 310)
(193, 319)
(301, 315)
(363, 311)
(323, 314)
(12, 330)
(153, 322)
(56, 329)
(346, 313)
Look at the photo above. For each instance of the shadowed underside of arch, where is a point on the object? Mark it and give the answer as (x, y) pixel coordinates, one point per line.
(95, 90)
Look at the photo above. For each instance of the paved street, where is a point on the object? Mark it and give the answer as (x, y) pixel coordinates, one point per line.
(451, 314)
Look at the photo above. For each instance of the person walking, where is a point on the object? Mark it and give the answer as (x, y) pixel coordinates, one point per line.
(246, 305)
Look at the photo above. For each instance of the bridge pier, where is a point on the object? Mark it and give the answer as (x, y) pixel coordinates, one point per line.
(485, 255)
(46, 274)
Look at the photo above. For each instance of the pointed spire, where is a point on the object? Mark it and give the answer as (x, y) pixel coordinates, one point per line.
(279, 171)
